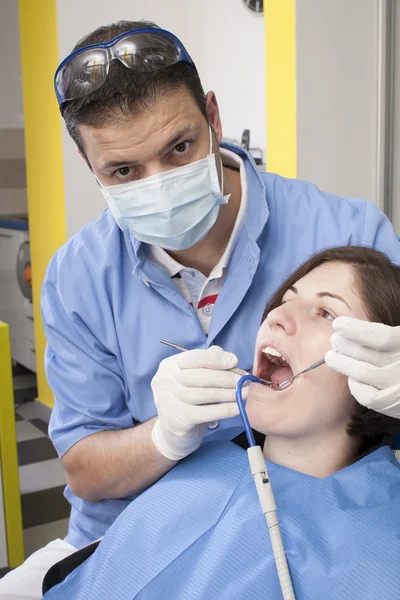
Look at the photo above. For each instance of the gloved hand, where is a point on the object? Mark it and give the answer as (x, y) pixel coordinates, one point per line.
(369, 354)
(190, 390)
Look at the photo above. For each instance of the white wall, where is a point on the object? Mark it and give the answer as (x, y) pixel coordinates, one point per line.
(11, 110)
(227, 43)
(225, 40)
(337, 95)
(12, 151)
(396, 132)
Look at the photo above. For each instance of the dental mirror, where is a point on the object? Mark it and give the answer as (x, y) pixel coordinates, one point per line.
(288, 382)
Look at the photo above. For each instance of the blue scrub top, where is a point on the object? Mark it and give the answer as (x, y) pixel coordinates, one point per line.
(106, 306)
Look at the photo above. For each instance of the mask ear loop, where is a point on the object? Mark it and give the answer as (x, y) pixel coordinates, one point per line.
(210, 132)
(220, 159)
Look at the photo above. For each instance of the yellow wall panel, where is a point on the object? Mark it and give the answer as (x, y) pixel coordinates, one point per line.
(8, 455)
(280, 48)
(43, 147)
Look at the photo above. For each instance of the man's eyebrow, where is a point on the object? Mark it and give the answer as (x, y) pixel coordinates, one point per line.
(117, 164)
(176, 139)
(322, 294)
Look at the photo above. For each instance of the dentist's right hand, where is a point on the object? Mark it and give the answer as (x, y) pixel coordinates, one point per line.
(190, 390)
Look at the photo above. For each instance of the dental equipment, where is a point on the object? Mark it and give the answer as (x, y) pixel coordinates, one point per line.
(288, 382)
(235, 370)
(265, 495)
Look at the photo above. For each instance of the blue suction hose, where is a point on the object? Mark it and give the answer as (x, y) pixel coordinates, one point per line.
(240, 403)
(265, 494)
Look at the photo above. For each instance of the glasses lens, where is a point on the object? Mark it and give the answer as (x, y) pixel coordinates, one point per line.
(145, 52)
(83, 74)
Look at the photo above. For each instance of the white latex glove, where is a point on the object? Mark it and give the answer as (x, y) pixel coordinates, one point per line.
(190, 390)
(369, 354)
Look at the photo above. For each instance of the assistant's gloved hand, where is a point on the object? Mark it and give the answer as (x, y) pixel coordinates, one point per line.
(191, 390)
(369, 354)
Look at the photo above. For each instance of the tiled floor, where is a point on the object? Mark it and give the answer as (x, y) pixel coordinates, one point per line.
(42, 480)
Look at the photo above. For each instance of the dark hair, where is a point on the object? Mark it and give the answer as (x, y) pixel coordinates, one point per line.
(377, 282)
(124, 90)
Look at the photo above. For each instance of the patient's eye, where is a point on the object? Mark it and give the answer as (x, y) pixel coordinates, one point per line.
(325, 314)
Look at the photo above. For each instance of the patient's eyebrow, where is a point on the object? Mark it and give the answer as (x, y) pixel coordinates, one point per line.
(322, 294)
(293, 289)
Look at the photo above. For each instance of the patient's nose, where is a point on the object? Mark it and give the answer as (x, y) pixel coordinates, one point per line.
(283, 317)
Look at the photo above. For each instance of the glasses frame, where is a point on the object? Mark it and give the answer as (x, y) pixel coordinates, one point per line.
(183, 55)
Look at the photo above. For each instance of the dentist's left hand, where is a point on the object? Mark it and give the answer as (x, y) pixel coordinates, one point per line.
(369, 354)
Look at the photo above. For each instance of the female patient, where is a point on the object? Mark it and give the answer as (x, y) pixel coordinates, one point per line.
(199, 532)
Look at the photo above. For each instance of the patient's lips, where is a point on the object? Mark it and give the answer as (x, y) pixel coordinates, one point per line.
(271, 364)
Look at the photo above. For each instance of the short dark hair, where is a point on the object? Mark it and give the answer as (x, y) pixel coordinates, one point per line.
(126, 91)
(377, 282)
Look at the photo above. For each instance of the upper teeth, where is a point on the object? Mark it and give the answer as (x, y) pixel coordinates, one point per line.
(273, 354)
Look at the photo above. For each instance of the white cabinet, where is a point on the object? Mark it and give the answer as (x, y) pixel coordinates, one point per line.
(15, 309)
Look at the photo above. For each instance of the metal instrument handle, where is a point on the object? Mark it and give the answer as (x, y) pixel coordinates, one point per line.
(235, 370)
(310, 368)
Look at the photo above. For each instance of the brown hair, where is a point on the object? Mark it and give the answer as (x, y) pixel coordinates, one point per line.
(126, 91)
(377, 282)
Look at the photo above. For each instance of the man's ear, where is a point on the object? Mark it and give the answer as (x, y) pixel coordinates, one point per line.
(213, 114)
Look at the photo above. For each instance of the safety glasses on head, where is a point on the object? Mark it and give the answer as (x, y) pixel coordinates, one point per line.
(142, 50)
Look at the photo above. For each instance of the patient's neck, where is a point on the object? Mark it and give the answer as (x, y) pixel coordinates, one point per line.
(318, 456)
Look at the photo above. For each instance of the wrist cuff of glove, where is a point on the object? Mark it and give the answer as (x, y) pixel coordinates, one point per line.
(173, 446)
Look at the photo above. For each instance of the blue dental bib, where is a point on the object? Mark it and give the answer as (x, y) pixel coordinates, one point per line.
(199, 534)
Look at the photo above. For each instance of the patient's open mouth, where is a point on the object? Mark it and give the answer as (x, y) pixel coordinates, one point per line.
(272, 366)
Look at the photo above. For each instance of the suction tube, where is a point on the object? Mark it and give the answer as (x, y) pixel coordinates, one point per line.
(265, 495)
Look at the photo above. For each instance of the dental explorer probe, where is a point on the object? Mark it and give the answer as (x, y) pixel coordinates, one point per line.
(235, 370)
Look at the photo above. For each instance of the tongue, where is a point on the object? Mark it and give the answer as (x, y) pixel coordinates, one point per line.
(282, 374)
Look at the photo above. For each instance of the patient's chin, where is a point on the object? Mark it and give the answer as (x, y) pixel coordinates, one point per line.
(278, 412)
(266, 407)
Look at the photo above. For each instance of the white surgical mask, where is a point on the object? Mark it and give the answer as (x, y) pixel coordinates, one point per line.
(173, 210)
